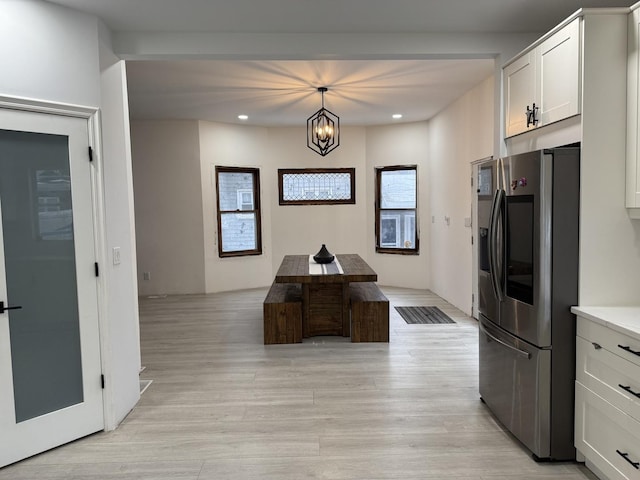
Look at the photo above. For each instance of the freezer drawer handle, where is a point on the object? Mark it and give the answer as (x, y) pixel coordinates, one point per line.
(3, 308)
(527, 355)
(628, 349)
(636, 465)
(628, 389)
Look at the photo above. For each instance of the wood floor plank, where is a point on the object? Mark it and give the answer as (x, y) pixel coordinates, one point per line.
(223, 406)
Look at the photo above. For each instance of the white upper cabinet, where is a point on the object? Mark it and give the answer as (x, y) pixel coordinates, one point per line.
(558, 62)
(542, 85)
(633, 109)
(520, 93)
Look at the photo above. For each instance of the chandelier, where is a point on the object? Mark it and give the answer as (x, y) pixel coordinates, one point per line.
(323, 129)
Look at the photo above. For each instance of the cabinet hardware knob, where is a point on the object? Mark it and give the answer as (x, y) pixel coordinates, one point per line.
(597, 346)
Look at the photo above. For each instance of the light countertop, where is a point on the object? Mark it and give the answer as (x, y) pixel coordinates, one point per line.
(622, 319)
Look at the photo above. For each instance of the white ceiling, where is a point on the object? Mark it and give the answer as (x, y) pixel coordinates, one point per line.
(362, 92)
(284, 92)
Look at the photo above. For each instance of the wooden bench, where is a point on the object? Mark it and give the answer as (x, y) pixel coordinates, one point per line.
(369, 313)
(282, 310)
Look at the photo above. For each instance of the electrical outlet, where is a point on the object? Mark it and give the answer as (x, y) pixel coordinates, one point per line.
(116, 255)
(146, 276)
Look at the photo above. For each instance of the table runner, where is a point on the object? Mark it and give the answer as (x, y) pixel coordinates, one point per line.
(333, 268)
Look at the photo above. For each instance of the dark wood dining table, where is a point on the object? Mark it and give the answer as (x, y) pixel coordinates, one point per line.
(325, 297)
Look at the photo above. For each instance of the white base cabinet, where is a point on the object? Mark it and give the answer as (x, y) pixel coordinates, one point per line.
(606, 436)
(607, 419)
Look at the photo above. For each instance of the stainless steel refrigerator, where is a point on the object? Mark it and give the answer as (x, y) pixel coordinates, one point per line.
(528, 219)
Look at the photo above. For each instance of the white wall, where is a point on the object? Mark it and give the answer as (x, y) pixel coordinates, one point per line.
(233, 146)
(168, 206)
(162, 200)
(457, 136)
(122, 287)
(55, 54)
(49, 53)
(302, 229)
(609, 239)
(401, 144)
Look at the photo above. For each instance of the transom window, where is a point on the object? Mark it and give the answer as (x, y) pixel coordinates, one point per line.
(239, 227)
(396, 210)
(317, 186)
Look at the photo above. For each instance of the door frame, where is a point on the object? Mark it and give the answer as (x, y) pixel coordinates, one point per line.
(92, 116)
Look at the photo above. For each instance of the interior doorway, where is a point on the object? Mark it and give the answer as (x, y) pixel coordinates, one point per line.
(50, 365)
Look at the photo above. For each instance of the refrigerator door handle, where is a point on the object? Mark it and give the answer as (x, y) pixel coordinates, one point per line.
(527, 355)
(494, 252)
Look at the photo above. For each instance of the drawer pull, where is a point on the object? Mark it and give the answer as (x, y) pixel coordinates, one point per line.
(628, 389)
(597, 346)
(628, 349)
(636, 465)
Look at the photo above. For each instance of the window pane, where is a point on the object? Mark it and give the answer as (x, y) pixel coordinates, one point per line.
(308, 186)
(55, 220)
(229, 184)
(316, 186)
(238, 232)
(397, 229)
(398, 189)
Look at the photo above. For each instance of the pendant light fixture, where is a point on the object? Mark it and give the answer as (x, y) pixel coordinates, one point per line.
(323, 129)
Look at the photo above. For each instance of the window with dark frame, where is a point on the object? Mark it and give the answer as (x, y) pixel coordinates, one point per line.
(396, 210)
(317, 186)
(239, 218)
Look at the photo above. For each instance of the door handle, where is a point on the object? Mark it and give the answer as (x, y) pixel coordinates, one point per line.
(527, 355)
(629, 390)
(629, 349)
(3, 308)
(494, 263)
(635, 465)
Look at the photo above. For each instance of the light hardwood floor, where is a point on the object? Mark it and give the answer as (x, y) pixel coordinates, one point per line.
(223, 406)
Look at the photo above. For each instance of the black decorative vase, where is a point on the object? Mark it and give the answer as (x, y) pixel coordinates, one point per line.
(323, 256)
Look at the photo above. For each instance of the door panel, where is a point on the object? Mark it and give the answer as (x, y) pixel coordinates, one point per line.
(519, 93)
(525, 311)
(487, 185)
(49, 348)
(515, 385)
(558, 61)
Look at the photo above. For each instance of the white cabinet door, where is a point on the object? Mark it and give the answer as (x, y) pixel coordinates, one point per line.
(606, 436)
(558, 75)
(545, 79)
(633, 112)
(519, 83)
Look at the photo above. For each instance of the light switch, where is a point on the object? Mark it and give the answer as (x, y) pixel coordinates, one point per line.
(116, 255)
(467, 221)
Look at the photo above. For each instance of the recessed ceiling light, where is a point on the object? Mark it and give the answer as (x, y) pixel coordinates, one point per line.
(243, 117)
(397, 115)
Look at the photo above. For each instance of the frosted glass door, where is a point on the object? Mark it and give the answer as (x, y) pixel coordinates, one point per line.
(40, 272)
(48, 295)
